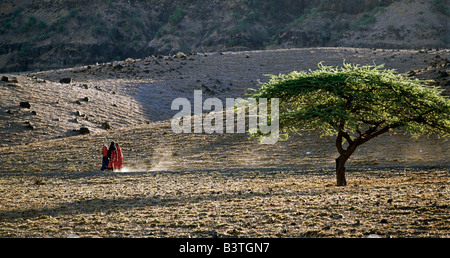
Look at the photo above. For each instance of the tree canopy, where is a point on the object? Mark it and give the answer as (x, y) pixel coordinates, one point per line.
(357, 103)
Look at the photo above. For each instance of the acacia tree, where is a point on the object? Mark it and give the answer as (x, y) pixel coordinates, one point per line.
(356, 104)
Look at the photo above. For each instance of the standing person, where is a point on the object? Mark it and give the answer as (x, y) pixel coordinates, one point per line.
(119, 163)
(105, 159)
(115, 156)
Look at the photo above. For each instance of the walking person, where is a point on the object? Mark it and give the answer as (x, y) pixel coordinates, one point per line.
(105, 159)
(115, 156)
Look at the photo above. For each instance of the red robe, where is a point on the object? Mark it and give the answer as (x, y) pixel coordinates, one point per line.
(105, 151)
(116, 160)
(105, 160)
(119, 162)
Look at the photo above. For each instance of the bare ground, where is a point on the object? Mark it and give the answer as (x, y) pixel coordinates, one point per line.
(201, 185)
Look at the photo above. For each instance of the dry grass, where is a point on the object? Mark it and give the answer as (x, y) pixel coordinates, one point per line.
(227, 203)
(210, 185)
(199, 185)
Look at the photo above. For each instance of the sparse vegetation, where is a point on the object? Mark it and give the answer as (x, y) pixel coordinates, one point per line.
(441, 6)
(253, 25)
(368, 18)
(203, 185)
(176, 16)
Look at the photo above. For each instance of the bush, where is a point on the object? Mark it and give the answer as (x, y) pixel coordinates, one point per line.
(441, 6)
(176, 17)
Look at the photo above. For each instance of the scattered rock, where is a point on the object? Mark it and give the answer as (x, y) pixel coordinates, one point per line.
(65, 80)
(373, 236)
(29, 125)
(73, 236)
(336, 216)
(213, 234)
(84, 130)
(78, 113)
(25, 104)
(106, 126)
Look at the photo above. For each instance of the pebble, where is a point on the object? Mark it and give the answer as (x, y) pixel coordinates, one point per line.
(73, 236)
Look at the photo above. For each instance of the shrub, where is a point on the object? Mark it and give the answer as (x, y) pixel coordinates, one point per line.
(176, 17)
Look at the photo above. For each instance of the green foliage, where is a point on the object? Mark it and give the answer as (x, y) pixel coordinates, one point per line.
(176, 17)
(441, 6)
(368, 17)
(353, 99)
(73, 13)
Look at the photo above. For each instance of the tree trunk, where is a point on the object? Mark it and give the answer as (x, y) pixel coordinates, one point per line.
(340, 171)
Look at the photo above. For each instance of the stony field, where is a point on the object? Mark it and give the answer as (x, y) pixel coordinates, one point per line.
(201, 185)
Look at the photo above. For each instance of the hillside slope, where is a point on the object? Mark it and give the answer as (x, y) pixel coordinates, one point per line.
(140, 91)
(42, 35)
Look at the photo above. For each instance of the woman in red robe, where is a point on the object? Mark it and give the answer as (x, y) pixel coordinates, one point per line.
(105, 159)
(115, 156)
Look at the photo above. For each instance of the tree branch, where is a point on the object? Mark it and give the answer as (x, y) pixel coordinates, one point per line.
(347, 137)
(339, 143)
(365, 139)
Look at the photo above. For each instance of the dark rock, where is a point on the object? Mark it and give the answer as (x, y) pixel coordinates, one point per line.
(84, 130)
(336, 216)
(78, 113)
(213, 234)
(384, 221)
(65, 80)
(33, 113)
(4, 79)
(25, 104)
(86, 99)
(29, 125)
(106, 126)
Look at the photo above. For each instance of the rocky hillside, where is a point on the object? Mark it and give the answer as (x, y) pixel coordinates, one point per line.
(41, 35)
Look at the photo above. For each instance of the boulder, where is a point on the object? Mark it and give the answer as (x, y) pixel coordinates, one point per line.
(29, 125)
(65, 80)
(106, 126)
(25, 104)
(84, 130)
